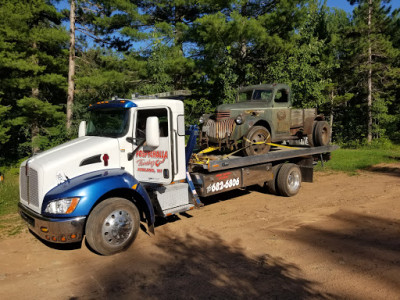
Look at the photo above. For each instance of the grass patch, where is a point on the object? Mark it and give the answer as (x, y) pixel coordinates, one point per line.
(351, 160)
(10, 222)
(9, 194)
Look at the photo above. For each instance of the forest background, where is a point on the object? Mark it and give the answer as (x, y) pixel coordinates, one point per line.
(346, 64)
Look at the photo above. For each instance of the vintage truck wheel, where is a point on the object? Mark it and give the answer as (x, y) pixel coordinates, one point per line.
(289, 180)
(112, 226)
(255, 141)
(322, 134)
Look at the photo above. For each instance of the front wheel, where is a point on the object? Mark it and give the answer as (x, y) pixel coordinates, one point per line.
(257, 141)
(112, 226)
(289, 180)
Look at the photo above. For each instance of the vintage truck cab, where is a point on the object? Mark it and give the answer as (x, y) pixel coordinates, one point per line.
(262, 114)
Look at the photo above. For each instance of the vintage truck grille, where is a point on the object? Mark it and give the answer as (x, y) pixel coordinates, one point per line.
(29, 186)
(223, 115)
(219, 129)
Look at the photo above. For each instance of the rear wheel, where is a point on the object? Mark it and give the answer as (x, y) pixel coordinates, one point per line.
(256, 140)
(289, 180)
(272, 184)
(322, 133)
(112, 226)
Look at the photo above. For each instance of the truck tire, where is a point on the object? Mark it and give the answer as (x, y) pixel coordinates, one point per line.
(289, 180)
(272, 184)
(112, 226)
(255, 135)
(322, 134)
(310, 137)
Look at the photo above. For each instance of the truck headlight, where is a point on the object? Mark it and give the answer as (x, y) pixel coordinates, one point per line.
(201, 120)
(239, 119)
(62, 206)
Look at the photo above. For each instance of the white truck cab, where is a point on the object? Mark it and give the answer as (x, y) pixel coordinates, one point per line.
(129, 151)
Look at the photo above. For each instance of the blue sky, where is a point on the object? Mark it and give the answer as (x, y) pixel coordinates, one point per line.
(344, 4)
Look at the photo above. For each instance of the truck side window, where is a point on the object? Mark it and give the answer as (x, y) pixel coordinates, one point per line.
(262, 95)
(282, 96)
(142, 116)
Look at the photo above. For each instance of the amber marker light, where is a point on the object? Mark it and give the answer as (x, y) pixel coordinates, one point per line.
(54, 238)
(72, 206)
(44, 229)
(73, 236)
(63, 239)
(134, 186)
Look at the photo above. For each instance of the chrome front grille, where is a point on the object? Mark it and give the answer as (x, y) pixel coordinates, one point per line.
(219, 129)
(29, 186)
(23, 184)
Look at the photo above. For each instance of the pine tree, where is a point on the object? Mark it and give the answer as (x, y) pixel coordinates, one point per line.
(32, 52)
(371, 57)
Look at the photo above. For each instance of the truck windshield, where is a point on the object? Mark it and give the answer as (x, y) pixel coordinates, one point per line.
(108, 122)
(255, 95)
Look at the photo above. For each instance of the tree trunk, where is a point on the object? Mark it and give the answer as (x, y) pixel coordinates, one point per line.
(71, 69)
(332, 96)
(35, 94)
(369, 73)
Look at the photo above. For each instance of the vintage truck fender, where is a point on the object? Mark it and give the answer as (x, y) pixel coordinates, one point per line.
(243, 129)
(96, 186)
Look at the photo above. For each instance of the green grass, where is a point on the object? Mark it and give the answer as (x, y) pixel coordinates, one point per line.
(351, 160)
(10, 222)
(9, 194)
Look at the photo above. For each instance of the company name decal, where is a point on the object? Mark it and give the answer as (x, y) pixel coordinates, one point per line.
(150, 159)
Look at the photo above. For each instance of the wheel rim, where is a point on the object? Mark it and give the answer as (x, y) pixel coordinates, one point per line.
(293, 181)
(117, 227)
(260, 136)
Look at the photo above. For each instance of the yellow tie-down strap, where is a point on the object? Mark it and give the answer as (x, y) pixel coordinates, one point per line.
(206, 160)
(271, 144)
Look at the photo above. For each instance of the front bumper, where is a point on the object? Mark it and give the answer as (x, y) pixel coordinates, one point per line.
(56, 230)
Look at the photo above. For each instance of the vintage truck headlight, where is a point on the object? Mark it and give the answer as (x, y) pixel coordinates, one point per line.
(62, 206)
(201, 120)
(239, 120)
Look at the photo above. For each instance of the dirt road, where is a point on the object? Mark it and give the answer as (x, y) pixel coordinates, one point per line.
(338, 238)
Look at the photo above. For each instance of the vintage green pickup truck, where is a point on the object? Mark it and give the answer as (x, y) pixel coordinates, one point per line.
(262, 115)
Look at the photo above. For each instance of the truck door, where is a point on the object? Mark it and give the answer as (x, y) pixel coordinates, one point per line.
(281, 112)
(153, 164)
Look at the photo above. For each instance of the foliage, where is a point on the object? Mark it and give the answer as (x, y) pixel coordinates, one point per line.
(32, 77)
(209, 47)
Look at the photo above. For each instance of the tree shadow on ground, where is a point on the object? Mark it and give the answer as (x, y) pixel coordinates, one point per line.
(201, 267)
(393, 171)
(363, 244)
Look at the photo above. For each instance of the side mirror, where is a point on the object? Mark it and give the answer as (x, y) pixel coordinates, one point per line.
(82, 128)
(152, 132)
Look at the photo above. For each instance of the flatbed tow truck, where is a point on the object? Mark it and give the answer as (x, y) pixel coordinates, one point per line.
(130, 164)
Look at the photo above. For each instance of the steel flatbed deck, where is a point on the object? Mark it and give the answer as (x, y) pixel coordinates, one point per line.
(272, 156)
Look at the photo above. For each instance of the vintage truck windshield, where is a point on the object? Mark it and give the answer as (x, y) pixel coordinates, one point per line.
(255, 95)
(108, 122)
